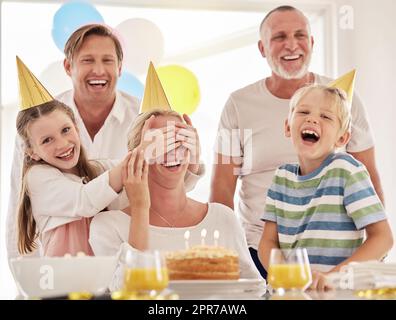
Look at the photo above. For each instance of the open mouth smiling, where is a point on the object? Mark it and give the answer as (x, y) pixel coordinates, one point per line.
(97, 83)
(310, 136)
(291, 57)
(171, 165)
(67, 155)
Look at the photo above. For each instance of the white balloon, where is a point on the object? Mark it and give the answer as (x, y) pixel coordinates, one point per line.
(55, 79)
(142, 42)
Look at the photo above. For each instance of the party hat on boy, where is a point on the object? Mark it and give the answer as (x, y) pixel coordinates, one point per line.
(154, 94)
(346, 83)
(31, 92)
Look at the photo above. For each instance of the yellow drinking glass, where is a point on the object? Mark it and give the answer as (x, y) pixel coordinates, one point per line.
(289, 270)
(145, 273)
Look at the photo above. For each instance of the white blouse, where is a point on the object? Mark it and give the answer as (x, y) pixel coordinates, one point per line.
(110, 229)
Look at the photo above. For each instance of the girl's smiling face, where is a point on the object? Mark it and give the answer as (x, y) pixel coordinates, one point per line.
(54, 139)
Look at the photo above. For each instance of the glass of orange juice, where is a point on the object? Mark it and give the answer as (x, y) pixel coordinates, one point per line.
(289, 270)
(145, 273)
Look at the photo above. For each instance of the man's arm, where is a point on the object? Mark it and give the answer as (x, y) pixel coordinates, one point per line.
(269, 240)
(224, 179)
(367, 157)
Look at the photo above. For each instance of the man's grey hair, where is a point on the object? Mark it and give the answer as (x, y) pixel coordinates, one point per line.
(282, 9)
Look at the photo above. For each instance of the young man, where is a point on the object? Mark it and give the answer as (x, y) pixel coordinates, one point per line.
(257, 112)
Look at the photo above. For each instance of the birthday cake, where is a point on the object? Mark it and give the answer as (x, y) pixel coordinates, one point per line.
(203, 263)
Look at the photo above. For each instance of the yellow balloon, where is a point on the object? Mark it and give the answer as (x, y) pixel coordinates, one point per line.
(181, 88)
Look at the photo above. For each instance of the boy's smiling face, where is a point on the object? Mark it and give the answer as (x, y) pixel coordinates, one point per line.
(314, 127)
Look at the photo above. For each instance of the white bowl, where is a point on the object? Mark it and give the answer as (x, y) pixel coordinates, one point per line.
(50, 277)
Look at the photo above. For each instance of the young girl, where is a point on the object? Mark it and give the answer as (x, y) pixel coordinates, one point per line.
(61, 190)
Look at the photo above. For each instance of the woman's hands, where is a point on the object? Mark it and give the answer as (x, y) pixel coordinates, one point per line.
(135, 181)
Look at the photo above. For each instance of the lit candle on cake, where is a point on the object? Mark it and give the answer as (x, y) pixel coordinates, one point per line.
(203, 236)
(186, 237)
(216, 236)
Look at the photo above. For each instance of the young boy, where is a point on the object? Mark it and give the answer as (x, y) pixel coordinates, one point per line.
(326, 201)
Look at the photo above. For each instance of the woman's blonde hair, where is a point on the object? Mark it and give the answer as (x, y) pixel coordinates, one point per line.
(135, 134)
(337, 97)
(27, 232)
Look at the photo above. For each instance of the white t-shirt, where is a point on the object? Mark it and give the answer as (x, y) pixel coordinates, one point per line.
(260, 117)
(110, 230)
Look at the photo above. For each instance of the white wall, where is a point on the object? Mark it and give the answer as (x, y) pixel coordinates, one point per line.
(371, 48)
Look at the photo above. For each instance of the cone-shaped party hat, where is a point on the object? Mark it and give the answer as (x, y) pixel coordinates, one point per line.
(31, 92)
(154, 94)
(346, 83)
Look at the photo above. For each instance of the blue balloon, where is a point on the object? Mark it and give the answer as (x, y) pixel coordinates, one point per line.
(130, 84)
(70, 17)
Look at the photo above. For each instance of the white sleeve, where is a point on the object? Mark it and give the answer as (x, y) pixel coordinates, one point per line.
(191, 179)
(53, 194)
(15, 186)
(361, 136)
(228, 141)
(121, 202)
(104, 233)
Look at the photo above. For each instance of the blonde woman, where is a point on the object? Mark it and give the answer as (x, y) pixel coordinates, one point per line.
(160, 212)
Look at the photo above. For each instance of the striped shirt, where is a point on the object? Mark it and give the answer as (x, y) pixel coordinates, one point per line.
(325, 211)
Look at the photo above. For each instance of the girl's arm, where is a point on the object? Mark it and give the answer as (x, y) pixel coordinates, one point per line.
(54, 194)
(135, 180)
(115, 174)
(269, 240)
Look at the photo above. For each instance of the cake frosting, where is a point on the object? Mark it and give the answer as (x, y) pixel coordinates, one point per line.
(203, 262)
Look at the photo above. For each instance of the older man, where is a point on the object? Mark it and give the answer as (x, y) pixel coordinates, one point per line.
(93, 60)
(251, 143)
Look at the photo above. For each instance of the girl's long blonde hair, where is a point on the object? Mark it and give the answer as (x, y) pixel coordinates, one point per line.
(27, 232)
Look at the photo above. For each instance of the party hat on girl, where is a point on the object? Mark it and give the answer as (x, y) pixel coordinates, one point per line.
(31, 92)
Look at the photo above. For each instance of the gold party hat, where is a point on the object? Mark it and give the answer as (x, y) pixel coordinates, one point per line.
(346, 83)
(154, 94)
(31, 92)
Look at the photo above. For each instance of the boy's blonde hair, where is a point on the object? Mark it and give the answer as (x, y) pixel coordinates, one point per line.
(336, 96)
(135, 134)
